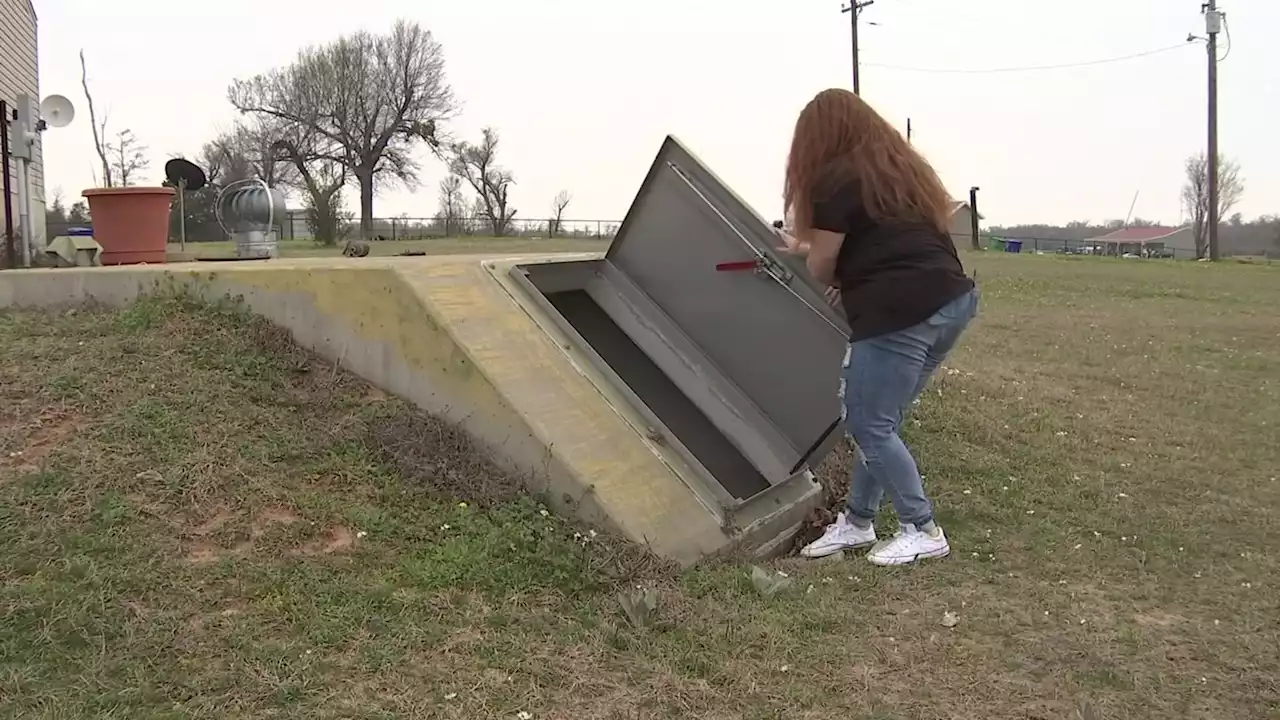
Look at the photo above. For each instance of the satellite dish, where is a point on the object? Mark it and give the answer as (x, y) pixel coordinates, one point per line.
(182, 173)
(57, 111)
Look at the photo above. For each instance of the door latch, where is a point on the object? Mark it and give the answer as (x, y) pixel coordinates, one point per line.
(763, 264)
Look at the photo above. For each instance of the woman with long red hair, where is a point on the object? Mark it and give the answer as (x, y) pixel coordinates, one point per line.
(871, 217)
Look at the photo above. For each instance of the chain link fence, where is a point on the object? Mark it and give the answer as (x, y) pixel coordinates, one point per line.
(1096, 247)
(295, 227)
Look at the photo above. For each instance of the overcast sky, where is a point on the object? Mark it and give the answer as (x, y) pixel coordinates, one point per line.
(583, 91)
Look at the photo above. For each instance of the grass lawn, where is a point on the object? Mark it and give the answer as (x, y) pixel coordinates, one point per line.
(199, 520)
(441, 246)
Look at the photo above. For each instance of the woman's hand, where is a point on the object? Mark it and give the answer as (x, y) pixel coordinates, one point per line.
(792, 246)
(832, 296)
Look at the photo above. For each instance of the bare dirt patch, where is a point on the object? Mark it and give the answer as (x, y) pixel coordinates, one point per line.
(223, 522)
(220, 519)
(202, 553)
(35, 439)
(271, 518)
(335, 540)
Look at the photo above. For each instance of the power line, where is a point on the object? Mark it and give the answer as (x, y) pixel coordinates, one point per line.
(1226, 26)
(1027, 68)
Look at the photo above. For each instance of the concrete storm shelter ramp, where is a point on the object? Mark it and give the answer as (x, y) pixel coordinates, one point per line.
(676, 389)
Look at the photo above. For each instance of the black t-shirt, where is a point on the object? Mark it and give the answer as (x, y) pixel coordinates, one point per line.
(891, 275)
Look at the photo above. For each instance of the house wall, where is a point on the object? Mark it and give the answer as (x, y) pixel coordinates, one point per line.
(19, 73)
(1182, 242)
(962, 227)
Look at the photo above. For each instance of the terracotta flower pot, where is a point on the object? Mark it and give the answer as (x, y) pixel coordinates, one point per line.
(130, 223)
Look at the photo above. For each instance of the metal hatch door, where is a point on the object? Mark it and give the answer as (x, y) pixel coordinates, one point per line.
(709, 262)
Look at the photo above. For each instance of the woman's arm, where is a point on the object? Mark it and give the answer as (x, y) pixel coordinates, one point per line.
(823, 249)
(836, 202)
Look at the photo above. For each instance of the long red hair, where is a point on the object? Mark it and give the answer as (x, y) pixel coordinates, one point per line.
(840, 139)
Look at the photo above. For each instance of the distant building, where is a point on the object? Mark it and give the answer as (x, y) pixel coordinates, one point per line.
(1144, 242)
(19, 73)
(962, 224)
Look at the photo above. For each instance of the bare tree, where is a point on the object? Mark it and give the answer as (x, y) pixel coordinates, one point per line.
(561, 201)
(221, 167)
(452, 205)
(78, 213)
(477, 165)
(249, 150)
(55, 215)
(368, 97)
(99, 130)
(320, 178)
(477, 217)
(1195, 195)
(127, 157)
(282, 155)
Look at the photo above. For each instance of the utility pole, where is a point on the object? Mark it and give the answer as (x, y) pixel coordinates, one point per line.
(1213, 24)
(854, 8)
(973, 220)
(5, 121)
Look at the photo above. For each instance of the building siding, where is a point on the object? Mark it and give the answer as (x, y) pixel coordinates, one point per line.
(1183, 241)
(962, 227)
(19, 73)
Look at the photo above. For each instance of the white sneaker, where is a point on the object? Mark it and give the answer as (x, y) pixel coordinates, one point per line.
(840, 535)
(910, 545)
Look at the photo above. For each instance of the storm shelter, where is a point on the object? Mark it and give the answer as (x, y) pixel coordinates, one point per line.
(723, 344)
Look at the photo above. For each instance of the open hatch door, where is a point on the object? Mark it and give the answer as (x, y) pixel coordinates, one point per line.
(725, 344)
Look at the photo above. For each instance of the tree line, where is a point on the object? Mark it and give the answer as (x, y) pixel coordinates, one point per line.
(349, 113)
(1238, 236)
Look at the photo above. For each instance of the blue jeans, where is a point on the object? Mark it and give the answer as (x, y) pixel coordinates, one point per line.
(882, 378)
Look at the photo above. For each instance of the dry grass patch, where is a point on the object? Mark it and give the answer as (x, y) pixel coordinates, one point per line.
(199, 520)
